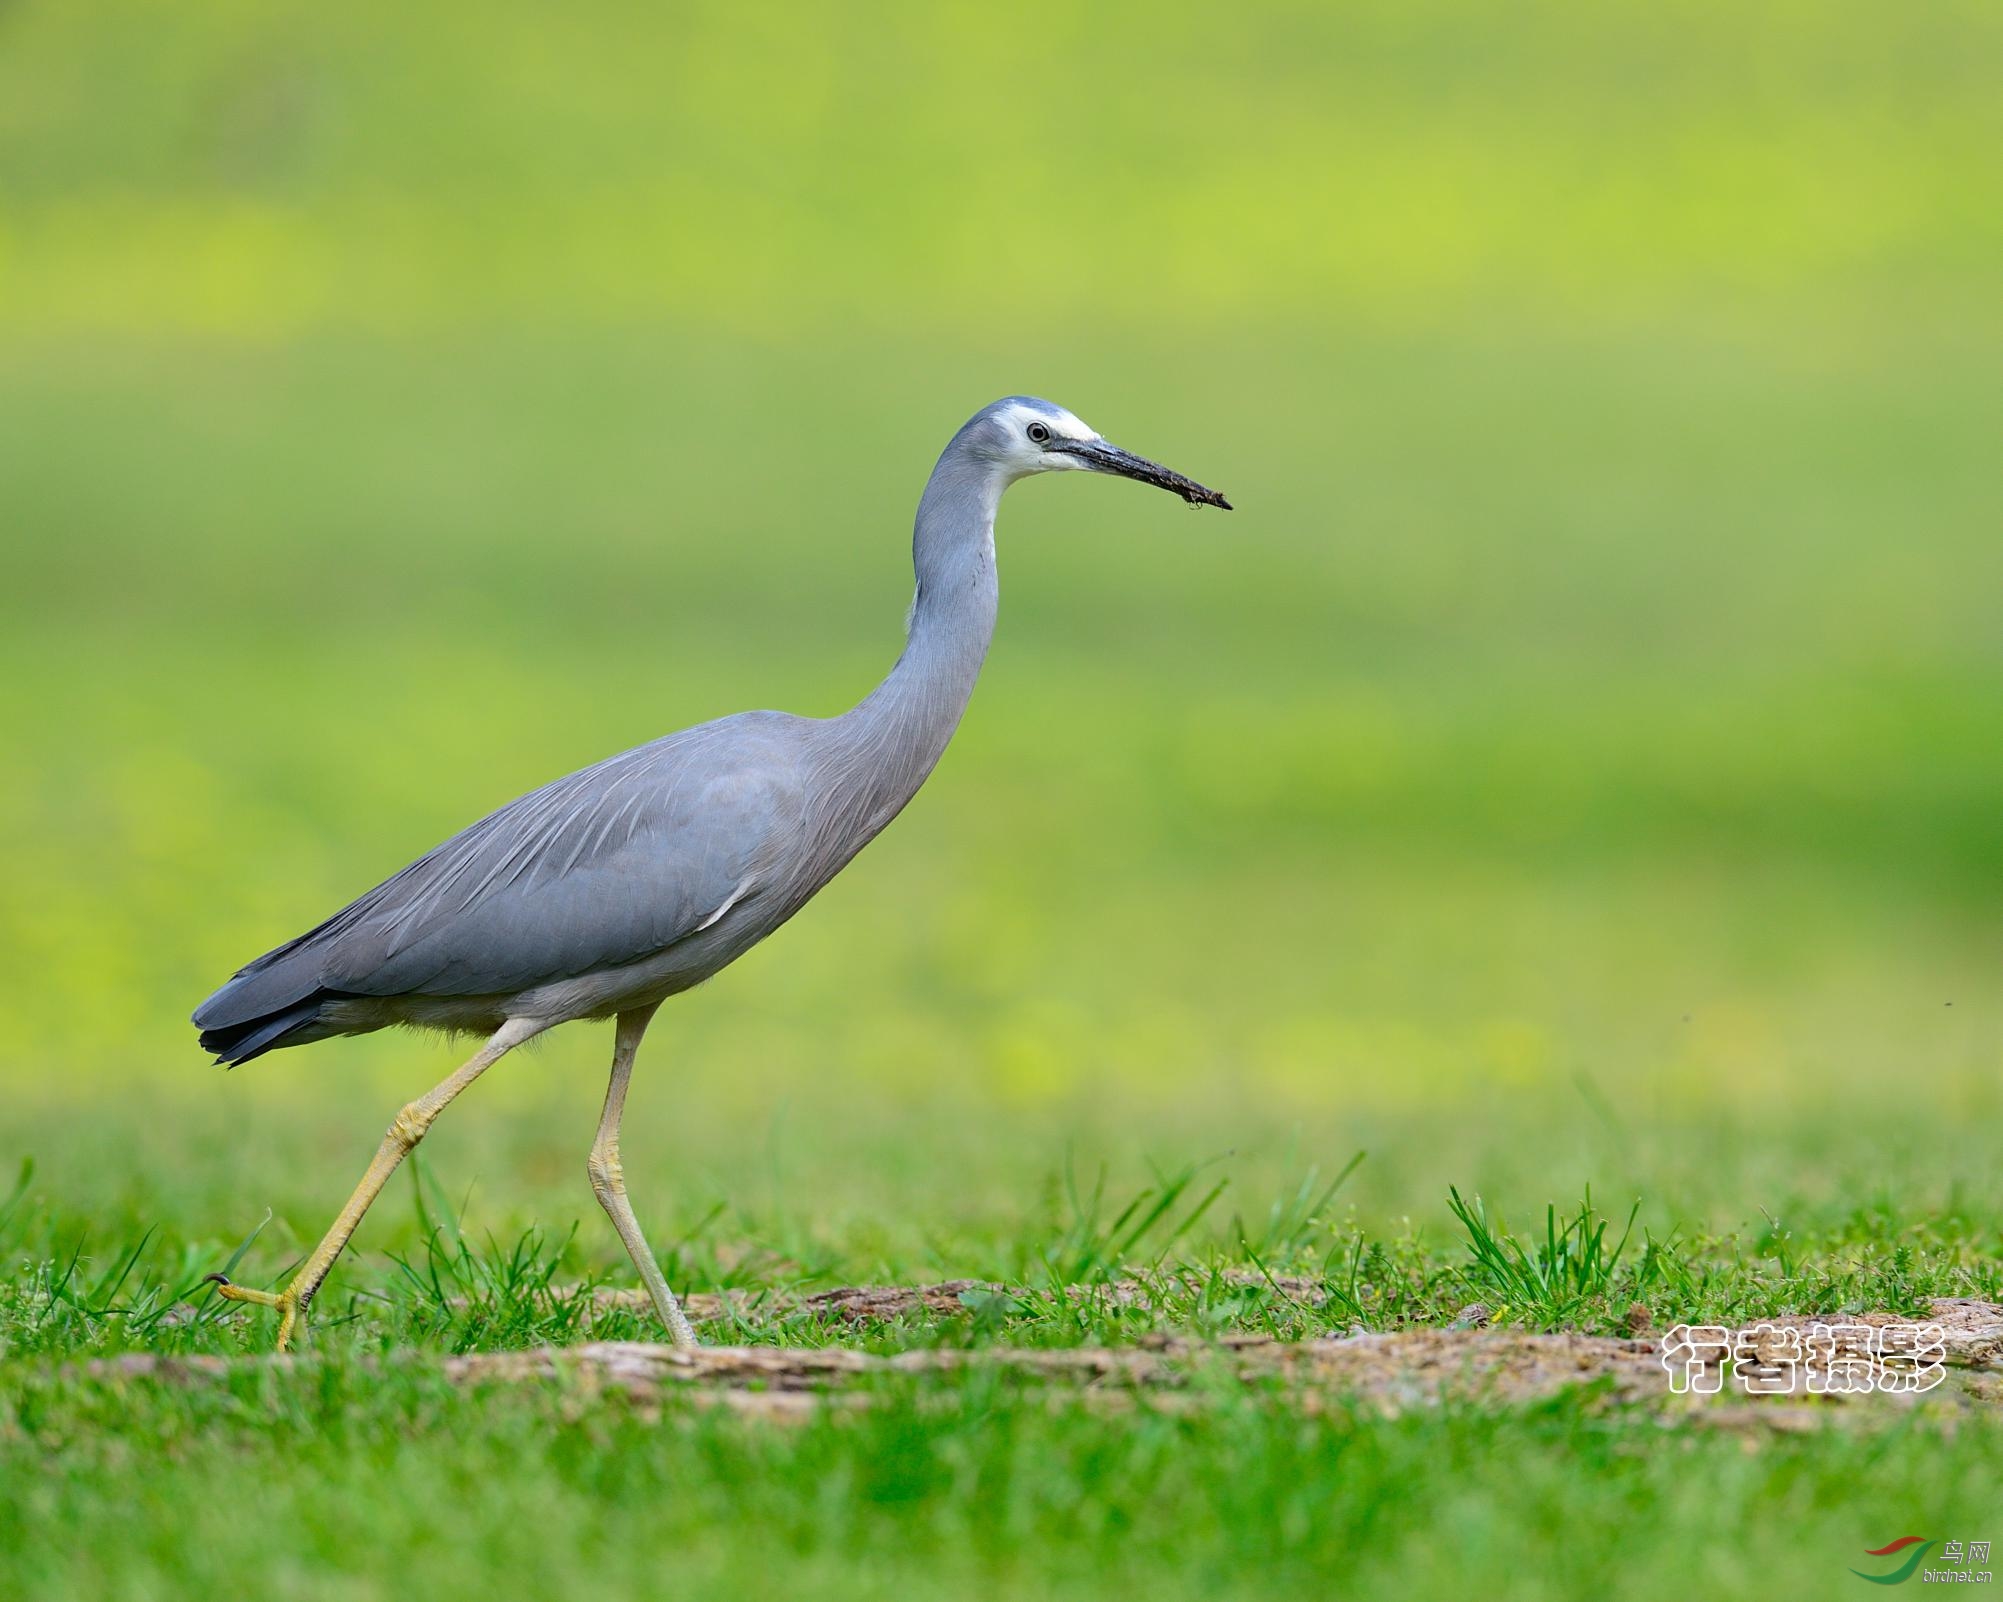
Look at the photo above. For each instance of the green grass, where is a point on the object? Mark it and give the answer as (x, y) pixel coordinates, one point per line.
(353, 1477)
(91, 1285)
(967, 1487)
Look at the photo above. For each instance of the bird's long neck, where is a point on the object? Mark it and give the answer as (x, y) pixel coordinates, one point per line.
(887, 746)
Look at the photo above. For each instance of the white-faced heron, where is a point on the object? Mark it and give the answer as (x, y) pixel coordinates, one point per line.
(603, 894)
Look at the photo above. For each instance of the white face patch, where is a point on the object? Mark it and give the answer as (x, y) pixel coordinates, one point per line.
(1030, 457)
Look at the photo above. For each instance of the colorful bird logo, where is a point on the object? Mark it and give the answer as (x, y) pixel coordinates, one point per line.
(1904, 1571)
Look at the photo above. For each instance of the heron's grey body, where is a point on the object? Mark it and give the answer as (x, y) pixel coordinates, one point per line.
(626, 882)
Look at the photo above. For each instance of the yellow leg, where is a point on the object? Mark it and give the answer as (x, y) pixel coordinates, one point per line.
(608, 1179)
(405, 1131)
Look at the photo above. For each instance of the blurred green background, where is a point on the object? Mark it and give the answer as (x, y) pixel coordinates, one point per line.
(1579, 759)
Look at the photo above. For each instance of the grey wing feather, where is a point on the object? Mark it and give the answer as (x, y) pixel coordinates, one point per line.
(598, 869)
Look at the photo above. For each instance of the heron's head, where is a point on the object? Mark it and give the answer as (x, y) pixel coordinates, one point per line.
(1023, 435)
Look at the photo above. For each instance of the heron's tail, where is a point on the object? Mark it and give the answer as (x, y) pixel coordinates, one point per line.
(239, 1041)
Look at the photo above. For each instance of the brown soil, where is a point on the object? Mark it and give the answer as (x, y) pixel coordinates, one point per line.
(1389, 1373)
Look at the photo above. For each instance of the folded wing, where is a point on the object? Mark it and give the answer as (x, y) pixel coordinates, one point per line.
(602, 868)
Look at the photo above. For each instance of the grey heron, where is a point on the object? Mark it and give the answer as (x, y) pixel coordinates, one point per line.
(606, 892)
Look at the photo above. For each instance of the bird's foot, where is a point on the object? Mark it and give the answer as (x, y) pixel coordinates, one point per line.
(290, 1304)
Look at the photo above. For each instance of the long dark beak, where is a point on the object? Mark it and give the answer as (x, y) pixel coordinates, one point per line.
(1101, 457)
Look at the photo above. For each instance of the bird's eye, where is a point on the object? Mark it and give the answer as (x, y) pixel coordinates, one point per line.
(1039, 433)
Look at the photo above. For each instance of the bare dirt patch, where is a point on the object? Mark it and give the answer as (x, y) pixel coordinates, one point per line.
(1390, 1373)
(883, 1304)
